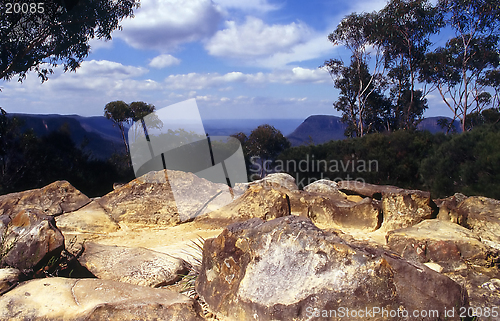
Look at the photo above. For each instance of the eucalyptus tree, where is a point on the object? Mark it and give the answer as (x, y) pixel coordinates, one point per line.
(266, 143)
(121, 114)
(40, 35)
(463, 71)
(404, 30)
(354, 33)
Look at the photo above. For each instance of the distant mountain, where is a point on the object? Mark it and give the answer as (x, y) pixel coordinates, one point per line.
(103, 138)
(431, 124)
(226, 127)
(319, 129)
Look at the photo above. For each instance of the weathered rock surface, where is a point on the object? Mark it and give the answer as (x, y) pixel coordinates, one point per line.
(260, 201)
(483, 288)
(53, 199)
(441, 241)
(482, 216)
(337, 213)
(325, 187)
(91, 218)
(277, 180)
(285, 268)
(93, 299)
(138, 266)
(400, 207)
(9, 277)
(31, 239)
(149, 199)
(447, 207)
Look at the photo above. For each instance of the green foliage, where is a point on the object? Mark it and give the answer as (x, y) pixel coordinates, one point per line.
(266, 143)
(360, 99)
(404, 29)
(390, 55)
(28, 162)
(443, 164)
(55, 32)
(468, 163)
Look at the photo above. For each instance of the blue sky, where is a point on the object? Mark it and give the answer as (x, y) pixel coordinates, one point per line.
(239, 59)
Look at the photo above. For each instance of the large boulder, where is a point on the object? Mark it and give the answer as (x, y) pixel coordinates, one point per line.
(277, 180)
(400, 207)
(482, 216)
(288, 269)
(94, 299)
(149, 199)
(29, 239)
(138, 266)
(259, 200)
(328, 207)
(53, 199)
(91, 218)
(338, 213)
(441, 241)
(329, 189)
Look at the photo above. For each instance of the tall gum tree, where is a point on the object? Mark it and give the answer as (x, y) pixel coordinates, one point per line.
(404, 30)
(462, 69)
(353, 33)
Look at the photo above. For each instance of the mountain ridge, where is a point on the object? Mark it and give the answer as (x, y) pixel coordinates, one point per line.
(103, 138)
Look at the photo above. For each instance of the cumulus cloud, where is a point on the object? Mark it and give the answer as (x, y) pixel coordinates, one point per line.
(197, 81)
(254, 38)
(247, 5)
(106, 68)
(163, 61)
(162, 25)
(316, 46)
(83, 92)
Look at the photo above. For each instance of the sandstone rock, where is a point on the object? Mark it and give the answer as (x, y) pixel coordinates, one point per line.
(54, 199)
(149, 199)
(482, 216)
(31, 239)
(9, 278)
(325, 186)
(286, 268)
(260, 201)
(325, 212)
(93, 299)
(138, 266)
(400, 207)
(447, 208)
(91, 218)
(330, 189)
(481, 285)
(277, 180)
(440, 241)
(367, 190)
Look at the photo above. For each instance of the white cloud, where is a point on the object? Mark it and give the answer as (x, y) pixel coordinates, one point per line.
(106, 68)
(163, 61)
(316, 46)
(197, 81)
(84, 92)
(162, 25)
(248, 5)
(254, 38)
